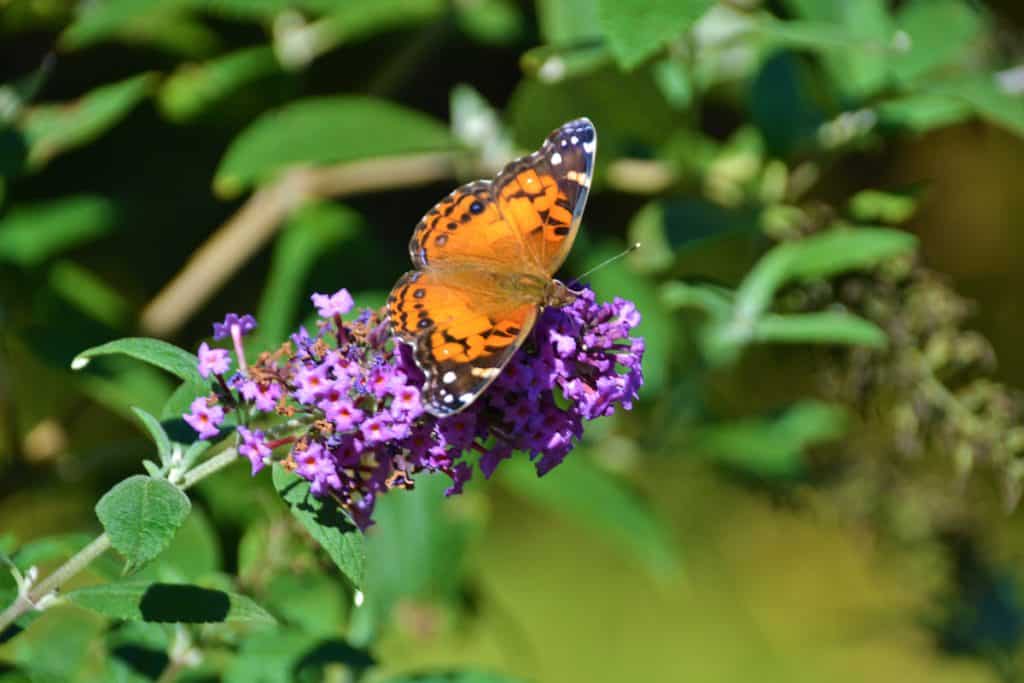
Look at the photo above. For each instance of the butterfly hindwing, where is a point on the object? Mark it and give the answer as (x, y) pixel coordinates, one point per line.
(462, 335)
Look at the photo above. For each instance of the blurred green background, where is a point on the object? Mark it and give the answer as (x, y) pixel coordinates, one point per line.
(824, 489)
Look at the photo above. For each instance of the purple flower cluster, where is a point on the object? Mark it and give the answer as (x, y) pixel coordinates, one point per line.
(355, 426)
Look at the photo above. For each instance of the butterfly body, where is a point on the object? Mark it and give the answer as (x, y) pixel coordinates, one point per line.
(485, 257)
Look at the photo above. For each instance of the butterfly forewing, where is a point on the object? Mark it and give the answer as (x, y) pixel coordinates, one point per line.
(484, 255)
(543, 195)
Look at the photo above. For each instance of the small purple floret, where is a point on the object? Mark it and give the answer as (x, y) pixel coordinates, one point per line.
(245, 324)
(213, 361)
(331, 305)
(205, 418)
(254, 446)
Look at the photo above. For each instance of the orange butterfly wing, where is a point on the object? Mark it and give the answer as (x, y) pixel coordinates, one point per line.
(483, 256)
(463, 332)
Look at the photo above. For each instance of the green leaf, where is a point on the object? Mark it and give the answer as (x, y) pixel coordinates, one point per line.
(312, 601)
(194, 556)
(156, 432)
(284, 656)
(828, 327)
(987, 99)
(773, 447)
(637, 29)
(99, 20)
(415, 551)
(453, 677)
(193, 88)
(939, 33)
(713, 300)
(826, 254)
(492, 22)
(32, 233)
(549, 64)
(325, 130)
(598, 501)
(52, 129)
(569, 23)
(309, 234)
(121, 385)
(178, 403)
(884, 207)
(166, 356)
(922, 111)
(673, 78)
(89, 293)
(141, 516)
(169, 603)
(854, 38)
(327, 524)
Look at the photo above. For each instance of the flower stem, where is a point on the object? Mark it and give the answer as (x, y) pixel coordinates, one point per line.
(25, 603)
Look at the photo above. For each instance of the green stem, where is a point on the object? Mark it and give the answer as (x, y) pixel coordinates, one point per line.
(83, 558)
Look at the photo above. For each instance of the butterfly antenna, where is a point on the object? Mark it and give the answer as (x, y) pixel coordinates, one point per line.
(625, 252)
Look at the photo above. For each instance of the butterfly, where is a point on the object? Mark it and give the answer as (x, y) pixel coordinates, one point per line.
(484, 258)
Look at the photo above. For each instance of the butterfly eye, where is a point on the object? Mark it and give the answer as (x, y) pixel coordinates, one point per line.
(476, 207)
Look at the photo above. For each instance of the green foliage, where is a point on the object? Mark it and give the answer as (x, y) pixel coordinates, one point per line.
(141, 515)
(817, 418)
(168, 603)
(310, 232)
(166, 356)
(324, 131)
(53, 129)
(29, 235)
(636, 30)
(326, 523)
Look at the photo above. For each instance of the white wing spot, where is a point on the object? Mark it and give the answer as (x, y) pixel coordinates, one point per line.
(588, 147)
(448, 398)
(449, 377)
(466, 397)
(574, 140)
(556, 159)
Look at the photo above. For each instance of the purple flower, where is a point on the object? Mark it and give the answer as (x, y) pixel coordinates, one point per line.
(245, 325)
(254, 446)
(205, 418)
(329, 306)
(357, 425)
(344, 415)
(264, 394)
(213, 361)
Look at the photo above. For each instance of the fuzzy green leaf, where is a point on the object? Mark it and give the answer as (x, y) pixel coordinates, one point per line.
(169, 603)
(166, 356)
(326, 523)
(141, 516)
(156, 432)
